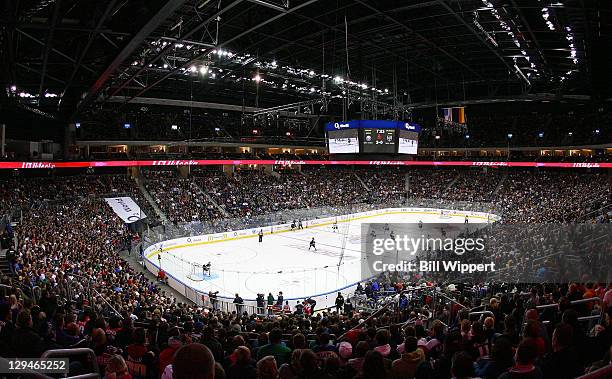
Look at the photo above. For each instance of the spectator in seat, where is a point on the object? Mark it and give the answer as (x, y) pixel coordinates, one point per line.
(193, 361)
(406, 366)
(275, 348)
(525, 367)
(373, 366)
(564, 360)
(166, 355)
(209, 340)
(25, 343)
(266, 368)
(462, 366)
(116, 368)
(291, 370)
(501, 360)
(244, 367)
(309, 364)
(356, 363)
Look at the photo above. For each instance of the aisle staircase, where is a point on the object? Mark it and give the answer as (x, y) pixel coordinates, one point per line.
(365, 186)
(161, 215)
(209, 198)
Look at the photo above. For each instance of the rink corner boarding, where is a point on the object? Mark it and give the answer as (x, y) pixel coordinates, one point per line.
(199, 297)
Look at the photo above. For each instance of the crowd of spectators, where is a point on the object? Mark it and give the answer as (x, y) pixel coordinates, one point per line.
(68, 238)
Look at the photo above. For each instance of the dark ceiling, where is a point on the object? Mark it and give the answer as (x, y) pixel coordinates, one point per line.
(66, 57)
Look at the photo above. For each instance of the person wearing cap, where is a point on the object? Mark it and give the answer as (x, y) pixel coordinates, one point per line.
(166, 355)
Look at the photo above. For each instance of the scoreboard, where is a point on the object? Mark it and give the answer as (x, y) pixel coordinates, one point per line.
(378, 141)
(372, 137)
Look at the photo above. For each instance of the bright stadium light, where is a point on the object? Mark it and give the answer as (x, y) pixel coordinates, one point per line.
(541, 134)
(13, 88)
(174, 127)
(203, 70)
(257, 78)
(509, 135)
(193, 69)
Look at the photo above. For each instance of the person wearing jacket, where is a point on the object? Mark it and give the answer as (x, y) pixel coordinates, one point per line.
(406, 366)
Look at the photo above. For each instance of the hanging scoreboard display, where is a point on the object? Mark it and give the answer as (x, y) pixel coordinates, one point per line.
(373, 137)
(378, 140)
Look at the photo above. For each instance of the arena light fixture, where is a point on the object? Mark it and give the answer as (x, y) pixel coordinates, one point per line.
(77, 125)
(257, 78)
(596, 131)
(13, 88)
(174, 127)
(509, 135)
(541, 134)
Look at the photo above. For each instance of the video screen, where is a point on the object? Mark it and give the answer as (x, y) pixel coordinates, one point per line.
(343, 141)
(408, 142)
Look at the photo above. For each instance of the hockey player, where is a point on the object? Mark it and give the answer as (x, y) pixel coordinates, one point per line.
(300, 226)
(312, 245)
(260, 235)
(466, 219)
(335, 226)
(293, 225)
(386, 228)
(373, 233)
(392, 235)
(420, 224)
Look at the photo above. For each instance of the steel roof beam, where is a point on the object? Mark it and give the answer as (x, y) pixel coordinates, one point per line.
(238, 36)
(47, 47)
(169, 46)
(412, 31)
(465, 23)
(92, 37)
(56, 51)
(166, 11)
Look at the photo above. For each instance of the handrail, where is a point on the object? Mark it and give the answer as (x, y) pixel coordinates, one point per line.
(587, 300)
(589, 318)
(370, 317)
(600, 373)
(99, 295)
(546, 306)
(489, 313)
(66, 353)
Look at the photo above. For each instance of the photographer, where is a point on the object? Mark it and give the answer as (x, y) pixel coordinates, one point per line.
(260, 303)
(212, 297)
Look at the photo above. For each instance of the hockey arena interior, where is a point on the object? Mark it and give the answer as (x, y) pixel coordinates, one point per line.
(304, 189)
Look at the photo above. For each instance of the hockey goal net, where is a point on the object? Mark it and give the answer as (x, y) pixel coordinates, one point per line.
(196, 272)
(445, 214)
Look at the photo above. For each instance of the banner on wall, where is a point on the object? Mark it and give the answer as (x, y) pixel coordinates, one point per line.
(285, 162)
(126, 209)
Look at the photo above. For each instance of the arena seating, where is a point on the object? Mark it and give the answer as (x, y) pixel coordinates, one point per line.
(68, 287)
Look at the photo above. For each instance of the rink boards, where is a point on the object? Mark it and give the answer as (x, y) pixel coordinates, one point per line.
(196, 291)
(183, 242)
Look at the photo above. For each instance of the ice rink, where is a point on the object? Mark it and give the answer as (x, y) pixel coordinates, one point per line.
(283, 261)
